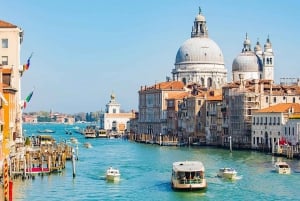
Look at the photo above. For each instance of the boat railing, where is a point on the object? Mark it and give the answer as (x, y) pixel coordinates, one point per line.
(195, 180)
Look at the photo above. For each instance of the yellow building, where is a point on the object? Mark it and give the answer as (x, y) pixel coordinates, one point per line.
(11, 70)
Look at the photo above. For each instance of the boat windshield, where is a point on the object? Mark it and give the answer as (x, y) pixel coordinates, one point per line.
(190, 175)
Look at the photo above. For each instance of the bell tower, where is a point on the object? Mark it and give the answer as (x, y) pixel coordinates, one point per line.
(268, 61)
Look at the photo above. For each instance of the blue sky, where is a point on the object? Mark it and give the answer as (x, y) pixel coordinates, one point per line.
(85, 50)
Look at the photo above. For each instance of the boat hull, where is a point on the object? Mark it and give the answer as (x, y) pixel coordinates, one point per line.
(189, 185)
(282, 168)
(227, 173)
(113, 177)
(112, 174)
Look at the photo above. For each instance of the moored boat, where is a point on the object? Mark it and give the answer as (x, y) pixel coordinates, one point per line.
(227, 173)
(282, 168)
(112, 174)
(46, 131)
(188, 175)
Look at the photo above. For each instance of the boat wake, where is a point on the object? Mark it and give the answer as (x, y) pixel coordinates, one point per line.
(238, 177)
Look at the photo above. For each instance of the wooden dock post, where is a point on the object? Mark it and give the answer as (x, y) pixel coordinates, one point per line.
(73, 163)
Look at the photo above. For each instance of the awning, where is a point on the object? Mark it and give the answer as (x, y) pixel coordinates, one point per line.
(3, 99)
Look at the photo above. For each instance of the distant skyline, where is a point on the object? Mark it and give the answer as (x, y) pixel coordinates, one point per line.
(83, 51)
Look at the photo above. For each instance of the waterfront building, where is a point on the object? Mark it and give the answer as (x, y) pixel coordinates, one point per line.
(291, 130)
(197, 116)
(200, 59)
(257, 64)
(274, 123)
(26, 118)
(242, 98)
(62, 118)
(11, 37)
(174, 131)
(113, 119)
(153, 107)
(213, 124)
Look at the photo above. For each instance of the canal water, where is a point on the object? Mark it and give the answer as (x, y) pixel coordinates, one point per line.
(146, 172)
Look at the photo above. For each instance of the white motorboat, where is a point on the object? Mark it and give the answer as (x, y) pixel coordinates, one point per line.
(188, 175)
(227, 173)
(282, 168)
(112, 174)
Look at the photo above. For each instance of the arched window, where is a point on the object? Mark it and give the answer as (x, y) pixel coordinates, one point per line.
(184, 80)
(209, 82)
(202, 81)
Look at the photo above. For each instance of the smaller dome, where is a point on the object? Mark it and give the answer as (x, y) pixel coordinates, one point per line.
(247, 62)
(257, 47)
(247, 42)
(200, 18)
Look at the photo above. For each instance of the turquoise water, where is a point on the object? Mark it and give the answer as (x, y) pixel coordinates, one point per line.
(146, 171)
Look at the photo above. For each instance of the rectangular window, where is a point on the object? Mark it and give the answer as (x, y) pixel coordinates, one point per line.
(5, 43)
(4, 60)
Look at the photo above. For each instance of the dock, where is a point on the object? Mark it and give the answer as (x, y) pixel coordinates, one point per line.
(42, 156)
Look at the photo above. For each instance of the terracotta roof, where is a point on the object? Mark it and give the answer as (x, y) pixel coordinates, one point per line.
(281, 108)
(295, 116)
(178, 95)
(4, 24)
(173, 85)
(214, 98)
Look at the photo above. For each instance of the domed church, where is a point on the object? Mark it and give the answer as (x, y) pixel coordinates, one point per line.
(199, 59)
(255, 64)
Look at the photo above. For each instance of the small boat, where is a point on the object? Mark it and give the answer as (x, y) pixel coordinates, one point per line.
(227, 173)
(112, 174)
(87, 145)
(282, 168)
(90, 132)
(74, 140)
(46, 131)
(188, 175)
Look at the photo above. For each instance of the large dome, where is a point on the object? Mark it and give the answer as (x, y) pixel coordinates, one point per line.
(247, 62)
(199, 50)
